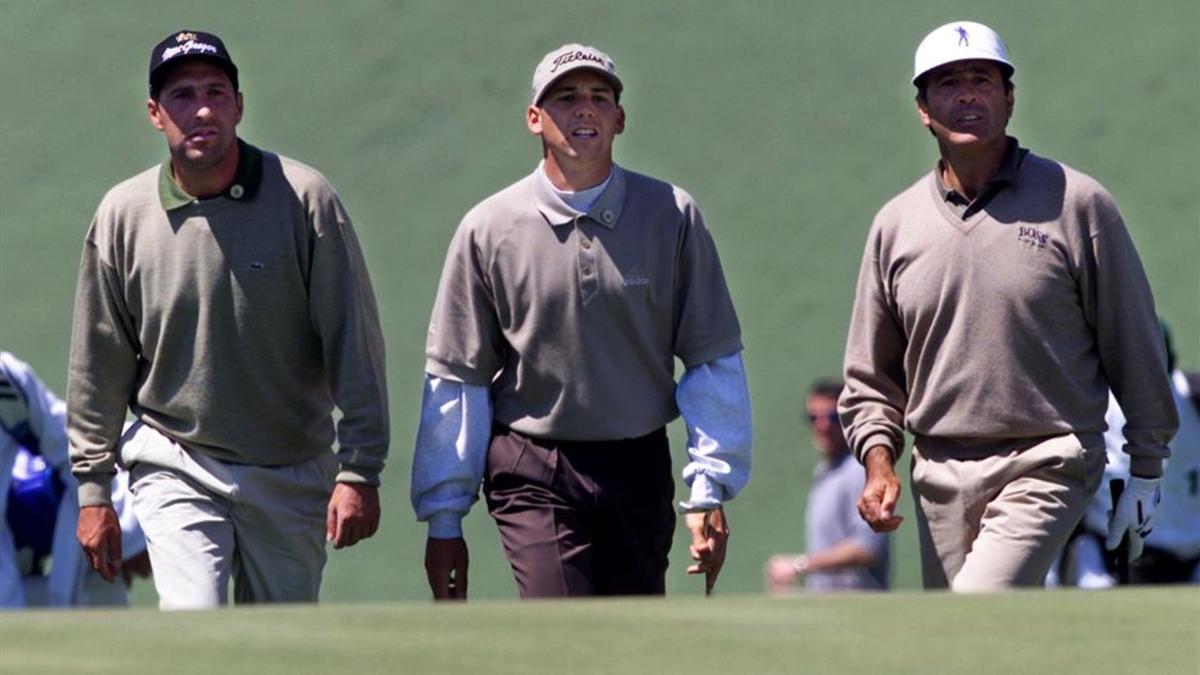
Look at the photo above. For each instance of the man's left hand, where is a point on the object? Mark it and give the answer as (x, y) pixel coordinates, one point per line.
(1133, 515)
(353, 514)
(710, 533)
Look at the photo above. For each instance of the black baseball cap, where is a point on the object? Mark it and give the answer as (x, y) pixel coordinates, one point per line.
(188, 44)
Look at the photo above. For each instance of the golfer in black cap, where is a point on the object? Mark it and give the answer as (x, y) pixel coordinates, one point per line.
(224, 301)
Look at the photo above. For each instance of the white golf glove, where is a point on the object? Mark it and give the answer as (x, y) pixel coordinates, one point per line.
(1134, 513)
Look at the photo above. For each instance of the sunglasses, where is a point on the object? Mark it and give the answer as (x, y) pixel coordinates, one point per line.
(830, 417)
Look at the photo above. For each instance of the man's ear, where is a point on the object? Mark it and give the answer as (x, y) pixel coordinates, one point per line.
(533, 120)
(155, 112)
(923, 112)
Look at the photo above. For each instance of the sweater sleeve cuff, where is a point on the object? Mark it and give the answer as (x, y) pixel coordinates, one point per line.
(1145, 467)
(357, 474)
(706, 494)
(874, 440)
(95, 490)
(445, 525)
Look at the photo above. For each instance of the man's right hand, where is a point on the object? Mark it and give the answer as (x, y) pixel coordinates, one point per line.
(877, 504)
(99, 532)
(710, 536)
(446, 563)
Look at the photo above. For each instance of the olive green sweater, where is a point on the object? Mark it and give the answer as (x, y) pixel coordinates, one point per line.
(1005, 326)
(234, 325)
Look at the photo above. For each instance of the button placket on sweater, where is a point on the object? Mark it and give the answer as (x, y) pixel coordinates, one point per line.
(589, 272)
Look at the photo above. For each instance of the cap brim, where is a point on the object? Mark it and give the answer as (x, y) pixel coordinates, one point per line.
(615, 81)
(1004, 65)
(162, 70)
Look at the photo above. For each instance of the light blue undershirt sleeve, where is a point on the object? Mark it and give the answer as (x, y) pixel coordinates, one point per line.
(715, 404)
(450, 453)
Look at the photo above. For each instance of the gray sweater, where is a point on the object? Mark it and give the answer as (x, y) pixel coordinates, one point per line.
(1007, 326)
(234, 325)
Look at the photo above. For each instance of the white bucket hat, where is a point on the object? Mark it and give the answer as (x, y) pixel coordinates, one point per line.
(959, 41)
(568, 58)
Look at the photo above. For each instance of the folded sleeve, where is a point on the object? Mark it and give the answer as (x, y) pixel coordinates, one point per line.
(450, 453)
(714, 401)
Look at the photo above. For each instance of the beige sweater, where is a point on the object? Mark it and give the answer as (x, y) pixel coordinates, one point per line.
(1008, 326)
(234, 325)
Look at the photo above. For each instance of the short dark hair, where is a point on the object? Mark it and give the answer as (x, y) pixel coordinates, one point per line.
(827, 387)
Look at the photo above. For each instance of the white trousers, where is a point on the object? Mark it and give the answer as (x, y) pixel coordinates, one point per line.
(206, 521)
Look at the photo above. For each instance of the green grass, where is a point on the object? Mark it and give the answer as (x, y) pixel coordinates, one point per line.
(790, 122)
(1061, 632)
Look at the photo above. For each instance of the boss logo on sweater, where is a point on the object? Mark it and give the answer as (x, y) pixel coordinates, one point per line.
(1032, 237)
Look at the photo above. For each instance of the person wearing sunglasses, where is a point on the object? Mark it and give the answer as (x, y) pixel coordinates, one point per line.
(843, 553)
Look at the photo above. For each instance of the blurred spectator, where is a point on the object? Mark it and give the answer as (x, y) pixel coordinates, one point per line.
(41, 564)
(843, 553)
(1172, 550)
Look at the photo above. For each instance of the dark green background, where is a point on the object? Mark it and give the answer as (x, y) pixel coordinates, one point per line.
(790, 122)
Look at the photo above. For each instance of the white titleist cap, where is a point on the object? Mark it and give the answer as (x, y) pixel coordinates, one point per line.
(568, 58)
(959, 41)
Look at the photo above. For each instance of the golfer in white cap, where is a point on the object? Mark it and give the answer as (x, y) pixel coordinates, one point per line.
(564, 301)
(999, 299)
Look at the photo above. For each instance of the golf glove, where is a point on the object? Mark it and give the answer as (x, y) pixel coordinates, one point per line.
(1134, 513)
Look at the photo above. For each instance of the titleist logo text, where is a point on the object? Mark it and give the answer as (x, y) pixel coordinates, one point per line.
(571, 57)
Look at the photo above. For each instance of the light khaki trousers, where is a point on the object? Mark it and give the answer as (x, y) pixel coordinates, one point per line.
(206, 521)
(994, 522)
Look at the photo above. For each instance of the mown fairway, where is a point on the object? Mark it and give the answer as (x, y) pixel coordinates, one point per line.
(790, 122)
(1144, 631)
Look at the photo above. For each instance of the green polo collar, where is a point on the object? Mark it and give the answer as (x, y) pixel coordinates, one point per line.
(244, 187)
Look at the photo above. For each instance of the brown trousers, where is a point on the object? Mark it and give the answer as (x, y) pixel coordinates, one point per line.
(999, 521)
(583, 518)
